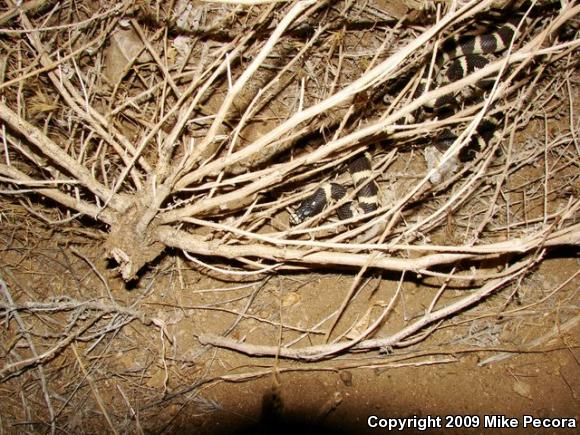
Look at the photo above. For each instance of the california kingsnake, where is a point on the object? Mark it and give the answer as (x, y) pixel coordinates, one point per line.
(360, 170)
(464, 53)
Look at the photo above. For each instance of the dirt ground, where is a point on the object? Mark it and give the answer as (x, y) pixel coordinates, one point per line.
(541, 383)
(178, 386)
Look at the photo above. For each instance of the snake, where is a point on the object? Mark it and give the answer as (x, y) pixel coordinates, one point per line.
(462, 55)
(360, 169)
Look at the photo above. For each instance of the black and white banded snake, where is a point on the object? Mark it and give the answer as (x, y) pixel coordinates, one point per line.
(459, 56)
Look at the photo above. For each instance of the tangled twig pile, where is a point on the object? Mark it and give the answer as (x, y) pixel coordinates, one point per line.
(152, 159)
(197, 129)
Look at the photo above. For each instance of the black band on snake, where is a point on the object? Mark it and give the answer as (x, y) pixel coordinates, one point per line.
(463, 56)
(361, 172)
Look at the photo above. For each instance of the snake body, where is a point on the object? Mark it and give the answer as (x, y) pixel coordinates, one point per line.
(463, 56)
(361, 172)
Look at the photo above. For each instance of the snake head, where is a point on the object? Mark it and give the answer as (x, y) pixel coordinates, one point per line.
(311, 206)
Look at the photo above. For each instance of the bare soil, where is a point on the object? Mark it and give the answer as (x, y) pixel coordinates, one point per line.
(178, 386)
